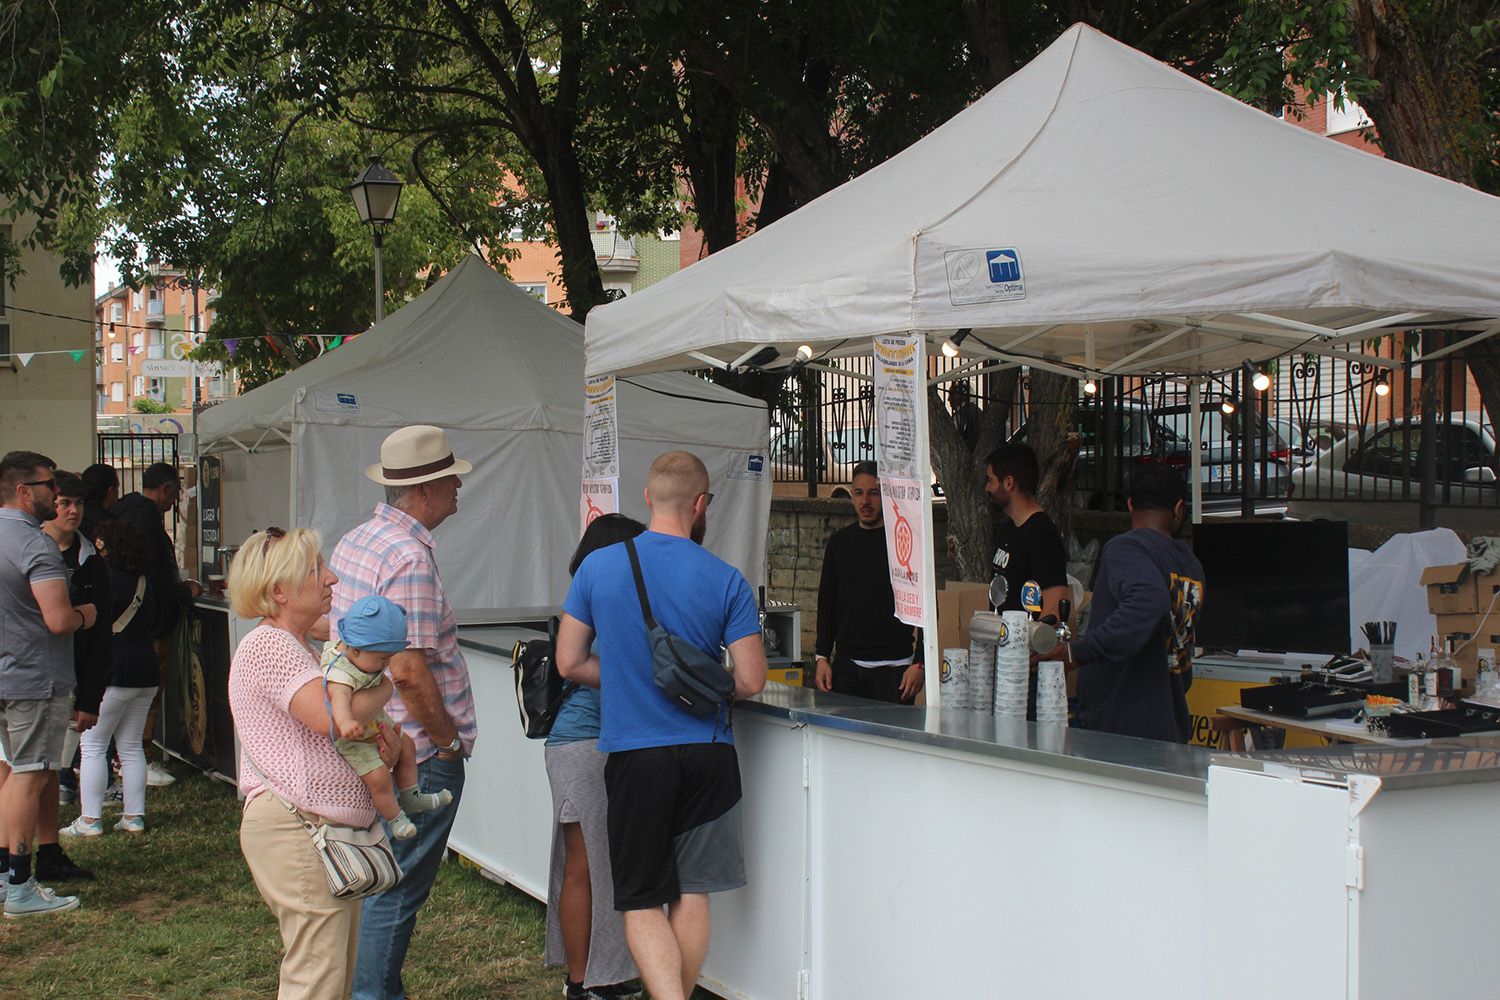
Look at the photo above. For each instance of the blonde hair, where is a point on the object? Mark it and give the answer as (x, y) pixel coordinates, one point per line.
(265, 562)
(676, 479)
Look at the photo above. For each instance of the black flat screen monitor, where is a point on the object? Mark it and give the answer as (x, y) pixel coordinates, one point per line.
(1278, 586)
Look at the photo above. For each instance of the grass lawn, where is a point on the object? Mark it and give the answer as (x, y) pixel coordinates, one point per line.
(173, 915)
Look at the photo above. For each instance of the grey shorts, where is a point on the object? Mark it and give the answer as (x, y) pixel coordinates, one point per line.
(32, 732)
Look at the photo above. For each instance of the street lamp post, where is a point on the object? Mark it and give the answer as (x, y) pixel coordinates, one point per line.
(376, 193)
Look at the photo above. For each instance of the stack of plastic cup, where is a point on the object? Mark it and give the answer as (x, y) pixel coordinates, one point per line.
(984, 634)
(955, 678)
(1051, 692)
(1013, 665)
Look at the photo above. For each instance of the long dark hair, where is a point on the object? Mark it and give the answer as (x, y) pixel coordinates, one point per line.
(605, 530)
(124, 545)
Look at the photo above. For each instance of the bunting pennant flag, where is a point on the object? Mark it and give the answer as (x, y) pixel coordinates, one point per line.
(335, 342)
(231, 345)
(77, 356)
(134, 350)
(26, 358)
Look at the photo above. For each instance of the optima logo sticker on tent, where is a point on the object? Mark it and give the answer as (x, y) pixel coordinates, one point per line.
(984, 274)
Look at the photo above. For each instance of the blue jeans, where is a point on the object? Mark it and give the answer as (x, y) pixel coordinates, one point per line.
(388, 919)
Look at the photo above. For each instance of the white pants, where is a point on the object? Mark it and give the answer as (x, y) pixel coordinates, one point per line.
(122, 715)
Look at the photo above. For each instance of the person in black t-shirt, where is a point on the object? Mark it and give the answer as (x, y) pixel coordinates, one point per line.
(1029, 544)
(863, 649)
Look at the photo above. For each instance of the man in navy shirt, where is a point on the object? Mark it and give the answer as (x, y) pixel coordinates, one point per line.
(672, 778)
(1136, 662)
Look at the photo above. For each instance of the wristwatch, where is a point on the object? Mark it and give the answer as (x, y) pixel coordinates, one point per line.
(455, 745)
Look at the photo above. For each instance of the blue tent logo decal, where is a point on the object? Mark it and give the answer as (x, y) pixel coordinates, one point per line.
(1004, 265)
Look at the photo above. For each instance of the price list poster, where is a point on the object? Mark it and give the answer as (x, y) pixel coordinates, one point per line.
(600, 490)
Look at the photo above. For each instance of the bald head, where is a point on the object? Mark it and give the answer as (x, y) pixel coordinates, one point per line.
(676, 481)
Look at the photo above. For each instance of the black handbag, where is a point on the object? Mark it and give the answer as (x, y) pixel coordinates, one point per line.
(540, 689)
(695, 680)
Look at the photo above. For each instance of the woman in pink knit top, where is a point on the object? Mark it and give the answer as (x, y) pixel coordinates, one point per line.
(276, 697)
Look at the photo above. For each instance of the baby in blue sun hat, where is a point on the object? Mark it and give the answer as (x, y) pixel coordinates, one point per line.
(373, 631)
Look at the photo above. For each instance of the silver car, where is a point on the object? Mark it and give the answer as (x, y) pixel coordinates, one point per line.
(1374, 476)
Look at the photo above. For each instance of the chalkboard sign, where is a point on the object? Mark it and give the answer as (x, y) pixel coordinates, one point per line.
(210, 515)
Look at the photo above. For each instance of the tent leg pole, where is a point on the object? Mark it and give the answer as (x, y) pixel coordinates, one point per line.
(1195, 446)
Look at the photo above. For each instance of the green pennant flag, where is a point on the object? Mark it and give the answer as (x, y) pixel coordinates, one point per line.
(335, 342)
(77, 356)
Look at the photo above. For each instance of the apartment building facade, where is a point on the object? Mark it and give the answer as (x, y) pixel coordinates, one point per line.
(152, 323)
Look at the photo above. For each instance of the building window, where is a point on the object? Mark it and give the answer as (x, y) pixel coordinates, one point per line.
(138, 340)
(116, 312)
(538, 292)
(140, 386)
(117, 352)
(117, 392)
(1346, 118)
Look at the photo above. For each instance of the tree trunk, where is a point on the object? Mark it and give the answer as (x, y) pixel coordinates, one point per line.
(971, 520)
(1050, 405)
(1429, 98)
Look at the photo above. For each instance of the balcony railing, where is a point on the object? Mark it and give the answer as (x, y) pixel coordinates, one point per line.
(155, 313)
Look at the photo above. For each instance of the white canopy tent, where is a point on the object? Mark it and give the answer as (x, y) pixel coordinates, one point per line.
(503, 375)
(1098, 212)
(1157, 226)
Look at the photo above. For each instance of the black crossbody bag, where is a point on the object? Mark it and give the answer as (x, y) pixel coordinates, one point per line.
(695, 680)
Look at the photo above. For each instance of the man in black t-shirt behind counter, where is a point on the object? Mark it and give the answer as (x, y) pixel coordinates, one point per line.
(863, 649)
(1029, 545)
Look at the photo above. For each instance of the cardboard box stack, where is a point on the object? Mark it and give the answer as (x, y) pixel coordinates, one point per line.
(957, 603)
(1466, 606)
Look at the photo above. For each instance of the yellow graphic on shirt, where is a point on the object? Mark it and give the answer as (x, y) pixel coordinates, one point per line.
(1187, 599)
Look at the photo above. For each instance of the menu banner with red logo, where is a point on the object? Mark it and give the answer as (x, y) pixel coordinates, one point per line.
(601, 429)
(597, 498)
(904, 544)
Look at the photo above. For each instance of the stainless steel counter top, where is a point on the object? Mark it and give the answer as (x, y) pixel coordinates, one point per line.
(1148, 762)
(1423, 764)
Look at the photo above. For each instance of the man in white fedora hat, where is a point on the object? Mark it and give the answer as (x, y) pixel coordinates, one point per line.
(391, 555)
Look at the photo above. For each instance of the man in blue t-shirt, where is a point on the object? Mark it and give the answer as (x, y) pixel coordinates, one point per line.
(672, 779)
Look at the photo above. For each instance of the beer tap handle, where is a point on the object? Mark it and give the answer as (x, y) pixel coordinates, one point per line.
(1064, 612)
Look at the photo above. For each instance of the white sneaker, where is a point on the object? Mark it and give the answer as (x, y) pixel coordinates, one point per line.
(158, 775)
(82, 827)
(33, 898)
(131, 824)
(114, 797)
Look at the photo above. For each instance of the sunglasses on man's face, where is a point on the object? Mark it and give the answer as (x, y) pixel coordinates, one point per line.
(51, 484)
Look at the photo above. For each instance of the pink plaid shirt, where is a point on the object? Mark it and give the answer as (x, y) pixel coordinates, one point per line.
(391, 555)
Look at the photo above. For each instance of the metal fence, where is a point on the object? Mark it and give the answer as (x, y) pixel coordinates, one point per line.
(1325, 429)
(132, 454)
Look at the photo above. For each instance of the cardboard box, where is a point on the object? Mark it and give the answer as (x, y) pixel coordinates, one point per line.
(1453, 590)
(1483, 629)
(957, 603)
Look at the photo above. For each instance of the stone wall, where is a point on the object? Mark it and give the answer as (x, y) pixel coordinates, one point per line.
(798, 533)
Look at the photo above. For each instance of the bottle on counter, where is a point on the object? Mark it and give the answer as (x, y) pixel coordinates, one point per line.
(1485, 679)
(1416, 681)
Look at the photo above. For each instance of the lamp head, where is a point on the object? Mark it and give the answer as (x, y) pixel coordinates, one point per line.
(376, 192)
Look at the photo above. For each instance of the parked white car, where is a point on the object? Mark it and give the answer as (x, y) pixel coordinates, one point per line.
(1375, 475)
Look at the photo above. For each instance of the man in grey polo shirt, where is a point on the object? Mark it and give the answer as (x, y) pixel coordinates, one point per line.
(36, 666)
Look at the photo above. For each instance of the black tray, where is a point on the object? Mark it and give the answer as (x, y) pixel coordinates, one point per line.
(1302, 699)
(1446, 722)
